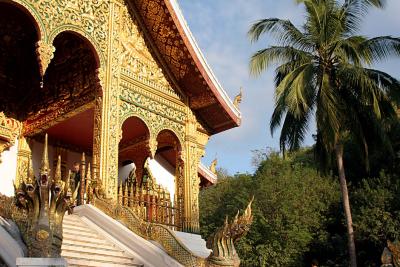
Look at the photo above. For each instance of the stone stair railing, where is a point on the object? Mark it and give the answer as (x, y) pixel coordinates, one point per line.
(150, 231)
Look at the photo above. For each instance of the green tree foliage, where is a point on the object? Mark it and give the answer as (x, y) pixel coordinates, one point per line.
(298, 214)
(290, 210)
(376, 205)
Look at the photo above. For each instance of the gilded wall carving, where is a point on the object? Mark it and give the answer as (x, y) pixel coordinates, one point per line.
(87, 17)
(157, 117)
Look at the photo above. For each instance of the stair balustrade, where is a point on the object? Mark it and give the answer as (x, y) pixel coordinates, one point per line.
(150, 201)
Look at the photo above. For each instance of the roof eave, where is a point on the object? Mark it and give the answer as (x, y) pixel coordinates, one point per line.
(205, 70)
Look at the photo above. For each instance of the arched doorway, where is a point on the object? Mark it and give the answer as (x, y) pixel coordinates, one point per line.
(19, 79)
(65, 104)
(147, 185)
(168, 159)
(133, 148)
(19, 68)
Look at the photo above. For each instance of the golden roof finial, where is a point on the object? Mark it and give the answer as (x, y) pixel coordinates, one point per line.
(89, 173)
(238, 98)
(31, 174)
(57, 175)
(45, 158)
(120, 188)
(66, 180)
(213, 166)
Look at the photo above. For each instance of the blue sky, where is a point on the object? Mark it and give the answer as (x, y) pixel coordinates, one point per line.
(220, 27)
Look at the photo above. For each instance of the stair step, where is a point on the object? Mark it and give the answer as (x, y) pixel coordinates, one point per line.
(84, 249)
(79, 229)
(96, 263)
(96, 256)
(67, 231)
(85, 239)
(105, 245)
(72, 218)
(84, 246)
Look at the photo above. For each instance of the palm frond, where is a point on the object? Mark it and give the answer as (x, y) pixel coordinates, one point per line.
(379, 48)
(347, 50)
(283, 30)
(293, 131)
(385, 82)
(263, 59)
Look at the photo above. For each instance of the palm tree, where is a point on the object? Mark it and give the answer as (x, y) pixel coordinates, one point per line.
(324, 73)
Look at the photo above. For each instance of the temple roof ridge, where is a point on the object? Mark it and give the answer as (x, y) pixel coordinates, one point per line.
(199, 54)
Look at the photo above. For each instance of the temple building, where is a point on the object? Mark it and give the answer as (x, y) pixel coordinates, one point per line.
(120, 87)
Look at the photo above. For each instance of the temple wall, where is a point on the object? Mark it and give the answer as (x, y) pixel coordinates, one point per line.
(123, 171)
(8, 170)
(164, 173)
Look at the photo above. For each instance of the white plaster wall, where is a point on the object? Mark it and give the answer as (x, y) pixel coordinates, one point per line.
(123, 171)
(163, 172)
(8, 170)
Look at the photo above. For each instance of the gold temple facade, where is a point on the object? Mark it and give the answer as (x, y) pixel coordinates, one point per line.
(122, 81)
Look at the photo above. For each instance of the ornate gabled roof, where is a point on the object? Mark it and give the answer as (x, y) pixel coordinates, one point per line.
(165, 26)
(207, 174)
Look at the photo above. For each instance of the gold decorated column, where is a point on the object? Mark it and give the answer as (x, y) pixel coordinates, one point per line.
(109, 138)
(97, 136)
(23, 159)
(194, 150)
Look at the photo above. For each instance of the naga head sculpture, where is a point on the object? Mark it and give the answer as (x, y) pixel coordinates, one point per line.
(222, 241)
(40, 205)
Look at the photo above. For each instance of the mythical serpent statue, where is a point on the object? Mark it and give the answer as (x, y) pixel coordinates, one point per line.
(38, 208)
(223, 240)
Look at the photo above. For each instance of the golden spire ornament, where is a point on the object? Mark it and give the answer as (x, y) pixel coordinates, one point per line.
(44, 168)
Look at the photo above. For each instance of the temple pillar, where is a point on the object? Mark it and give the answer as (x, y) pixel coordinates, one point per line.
(179, 190)
(111, 132)
(23, 159)
(97, 137)
(109, 137)
(194, 151)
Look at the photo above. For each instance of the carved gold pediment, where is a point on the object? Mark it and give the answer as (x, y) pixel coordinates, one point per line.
(136, 56)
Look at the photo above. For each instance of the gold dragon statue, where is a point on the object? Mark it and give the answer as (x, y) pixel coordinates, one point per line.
(391, 255)
(222, 241)
(38, 208)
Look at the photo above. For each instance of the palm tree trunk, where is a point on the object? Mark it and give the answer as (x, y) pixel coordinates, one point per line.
(346, 205)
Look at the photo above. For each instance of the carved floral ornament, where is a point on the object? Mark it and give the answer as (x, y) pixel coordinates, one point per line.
(146, 111)
(10, 129)
(45, 53)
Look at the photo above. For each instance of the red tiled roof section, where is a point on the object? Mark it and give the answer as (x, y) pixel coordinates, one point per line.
(169, 33)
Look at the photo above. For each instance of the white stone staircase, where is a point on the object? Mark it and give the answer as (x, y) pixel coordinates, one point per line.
(83, 245)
